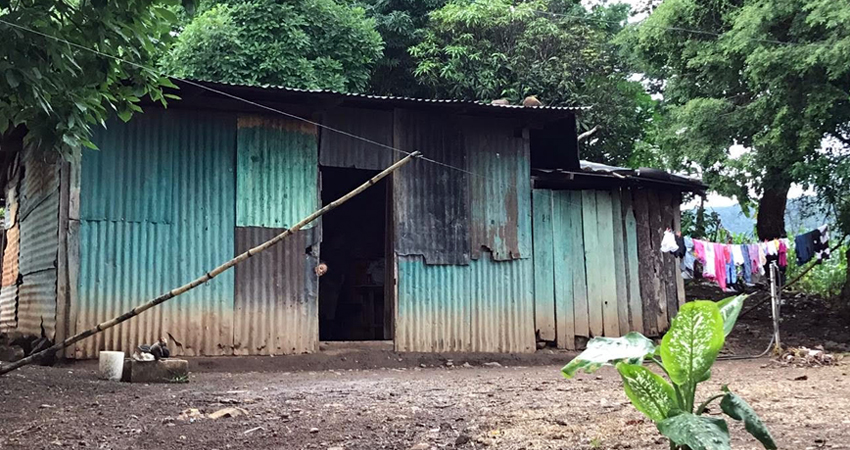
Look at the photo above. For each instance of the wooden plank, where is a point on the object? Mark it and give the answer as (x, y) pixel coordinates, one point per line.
(646, 270)
(63, 300)
(594, 263)
(73, 252)
(635, 304)
(570, 280)
(544, 265)
(620, 262)
(604, 257)
(671, 263)
(657, 227)
(677, 227)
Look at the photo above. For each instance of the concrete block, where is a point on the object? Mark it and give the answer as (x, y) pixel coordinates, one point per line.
(162, 371)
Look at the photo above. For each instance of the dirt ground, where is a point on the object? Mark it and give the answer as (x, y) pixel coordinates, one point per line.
(523, 403)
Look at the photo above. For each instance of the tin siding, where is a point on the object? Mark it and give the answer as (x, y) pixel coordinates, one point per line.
(131, 254)
(276, 294)
(486, 306)
(500, 190)
(277, 172)
(431, 201)
(38, 253)
(340, 150)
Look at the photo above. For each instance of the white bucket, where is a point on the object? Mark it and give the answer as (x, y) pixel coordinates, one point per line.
(111, 365)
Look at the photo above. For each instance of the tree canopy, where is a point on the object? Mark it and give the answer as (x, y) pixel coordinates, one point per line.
(311, 44)
(52, 92)
(554, 49)
(770, 75)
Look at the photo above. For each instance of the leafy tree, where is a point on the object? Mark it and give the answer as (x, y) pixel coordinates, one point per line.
(51, 93)
(554, 49)
(312, 44)
(771, 75)
(401, 24)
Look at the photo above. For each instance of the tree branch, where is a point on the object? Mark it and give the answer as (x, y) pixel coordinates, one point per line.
(587, 133)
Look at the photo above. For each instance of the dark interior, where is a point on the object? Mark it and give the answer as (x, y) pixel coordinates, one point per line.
(553, 145)
(351, 293)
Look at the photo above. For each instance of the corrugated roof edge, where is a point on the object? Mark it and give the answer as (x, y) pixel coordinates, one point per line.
(414, 100)
(643, 174)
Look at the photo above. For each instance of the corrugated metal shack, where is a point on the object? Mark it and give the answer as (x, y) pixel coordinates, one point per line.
(500, 239)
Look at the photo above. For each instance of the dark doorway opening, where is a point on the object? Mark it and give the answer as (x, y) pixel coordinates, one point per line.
(352, 304)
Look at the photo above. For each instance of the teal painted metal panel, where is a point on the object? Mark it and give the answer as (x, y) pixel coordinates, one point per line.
(131, 177)
(589, 213)
(130, 253)
(277, 172)
(571, 307)
(486, 306)
(544, 266)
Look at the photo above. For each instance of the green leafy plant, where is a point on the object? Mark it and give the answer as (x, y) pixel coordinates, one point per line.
(687, 353)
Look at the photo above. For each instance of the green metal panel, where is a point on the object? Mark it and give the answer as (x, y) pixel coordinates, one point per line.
(181, 229)
(594, 263)
(486, 306)
(571, 305)
(276, 172)
(544, 266)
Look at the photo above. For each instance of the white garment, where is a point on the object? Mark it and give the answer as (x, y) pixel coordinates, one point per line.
(668, 243)
(773, 247)
(709, 269)
(762, 257)
(737, 255)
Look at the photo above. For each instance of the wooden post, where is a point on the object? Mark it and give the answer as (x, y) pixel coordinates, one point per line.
(209, 275)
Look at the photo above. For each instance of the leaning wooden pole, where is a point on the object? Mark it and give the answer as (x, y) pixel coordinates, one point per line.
(209, 275)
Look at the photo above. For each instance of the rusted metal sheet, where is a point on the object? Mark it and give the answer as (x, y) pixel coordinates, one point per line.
(486, 306)
(500, 190)
(39, 248)
(11, 256)
(8, 308)
(124, 263)
(40, 179)
(431, 200)
(276, 299)
(277, 174)
(131, 178)
(342, 150)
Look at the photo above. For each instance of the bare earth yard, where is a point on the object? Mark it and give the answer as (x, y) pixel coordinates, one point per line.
(458, 407)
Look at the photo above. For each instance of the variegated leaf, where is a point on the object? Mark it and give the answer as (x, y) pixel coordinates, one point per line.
(730, 308)
(651, 394)
(631, 348)
(690, 347)
(697, 432)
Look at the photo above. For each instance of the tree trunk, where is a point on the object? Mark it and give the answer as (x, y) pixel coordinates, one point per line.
(771, 214)
(845, 292)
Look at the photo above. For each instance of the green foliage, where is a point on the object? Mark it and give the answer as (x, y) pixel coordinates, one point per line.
(826, 279)
(775, 80)
(51, 93)
(401, 24)
(310, 44)
(491, 49)
(688, 352)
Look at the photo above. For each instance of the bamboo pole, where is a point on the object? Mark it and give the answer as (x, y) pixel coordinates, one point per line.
(209, 275)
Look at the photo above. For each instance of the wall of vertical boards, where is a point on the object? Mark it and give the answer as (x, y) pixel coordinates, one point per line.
(598, 268)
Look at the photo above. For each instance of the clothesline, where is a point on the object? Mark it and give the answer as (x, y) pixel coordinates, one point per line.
(723, 262)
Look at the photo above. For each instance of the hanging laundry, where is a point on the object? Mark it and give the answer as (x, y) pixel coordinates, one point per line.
(756, 265)
(731, 269)
(804, 246)
(822, 246)
(688, 259)
(720, 264)
(747, 270)
(709, 267)
(737, 255)
(668, 242)
(699, 250)
(783, 253)
(680, 243)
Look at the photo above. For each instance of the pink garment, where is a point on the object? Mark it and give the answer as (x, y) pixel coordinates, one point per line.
(754, 257)
(783, 254)
(720, 264)
(699, 251)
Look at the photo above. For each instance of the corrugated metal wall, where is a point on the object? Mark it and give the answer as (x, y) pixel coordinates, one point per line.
(500, 196)
(486, 306)
(277, 294)
(340, 150)
(277, 173)
(432, 201)
(175, 224)
(9, 288)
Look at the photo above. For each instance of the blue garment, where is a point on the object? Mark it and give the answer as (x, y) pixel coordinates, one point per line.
(731, 273)
(748, 264)
(687, 262)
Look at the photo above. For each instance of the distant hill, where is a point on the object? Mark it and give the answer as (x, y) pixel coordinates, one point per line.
(800, 215)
